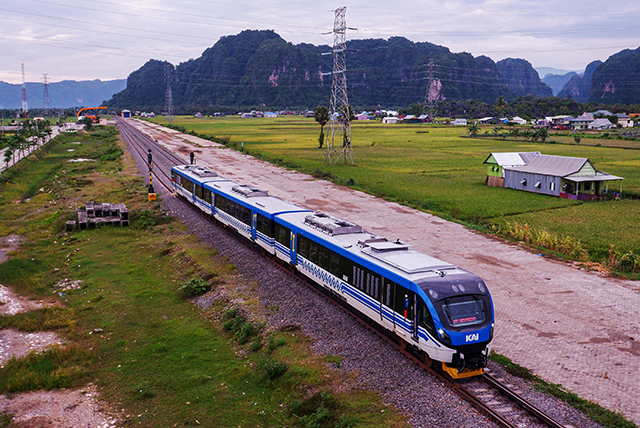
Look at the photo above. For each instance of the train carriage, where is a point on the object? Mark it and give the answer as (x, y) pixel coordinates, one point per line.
(430, 305)
(248, 210)
(192, 182)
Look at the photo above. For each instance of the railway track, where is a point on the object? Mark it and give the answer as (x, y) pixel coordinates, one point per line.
(490, 395)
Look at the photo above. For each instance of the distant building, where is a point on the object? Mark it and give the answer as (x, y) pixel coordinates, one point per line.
(126, 113)
(490, 120)
(581, 122)
(390, 119)
(566, 177)
(623, 120)
(601, 123)
(410, 118)
(459, 122)
(518, 120)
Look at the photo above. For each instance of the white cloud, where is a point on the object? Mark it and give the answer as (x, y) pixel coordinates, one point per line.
(72, 39)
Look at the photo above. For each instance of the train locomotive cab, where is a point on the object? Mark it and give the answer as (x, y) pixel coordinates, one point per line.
(464, 321)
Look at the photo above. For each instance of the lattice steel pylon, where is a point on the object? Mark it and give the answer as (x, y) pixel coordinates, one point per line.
(432, 93)
(339, 109)
(168, 93)
(46, 102)
(25, 107)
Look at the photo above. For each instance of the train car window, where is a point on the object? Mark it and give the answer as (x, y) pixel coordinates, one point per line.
(199, 193)
(424, 316)
(346, 267)
(334, 264)
(324, 258)
(244, 215)
(367, 281)
(357, 279)
(206, 195)
(265, 225)
(220, 202)
(303, 247)
(464, 311)
(387, 290)
(185, 183)
(233, 209)
(283, 235)
(376, 288)
(313, 252)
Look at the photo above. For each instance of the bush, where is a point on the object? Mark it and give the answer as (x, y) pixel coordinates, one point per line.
(242, 330)
(272, 368)
(194, 287)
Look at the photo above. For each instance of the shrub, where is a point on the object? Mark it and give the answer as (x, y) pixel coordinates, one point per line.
(242, 330)
(272, 368)
(194, 287)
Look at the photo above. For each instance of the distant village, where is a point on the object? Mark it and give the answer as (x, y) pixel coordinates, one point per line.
(596, 121)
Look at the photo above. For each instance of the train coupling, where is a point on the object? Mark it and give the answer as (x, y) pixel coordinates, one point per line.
(454, 373)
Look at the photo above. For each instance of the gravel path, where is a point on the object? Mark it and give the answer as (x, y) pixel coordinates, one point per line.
(377, 366)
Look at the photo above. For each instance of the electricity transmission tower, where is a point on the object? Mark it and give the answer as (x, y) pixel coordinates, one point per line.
(432, 92)
(46, 102)
(340, 142)
(168, 93)
(25, 107)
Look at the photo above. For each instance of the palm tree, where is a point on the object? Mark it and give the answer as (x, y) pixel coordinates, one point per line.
(322, 117)
(501, 105)
(473, 130)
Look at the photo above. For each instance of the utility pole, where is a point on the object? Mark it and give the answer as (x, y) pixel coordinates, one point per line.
(152, 193)
(46, 102)
(25, 107)
(340, 111)
(168, 93)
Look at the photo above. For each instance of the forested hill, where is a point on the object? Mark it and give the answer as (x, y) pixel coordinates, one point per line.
(64, 94)
(617, 80)
(260, 69)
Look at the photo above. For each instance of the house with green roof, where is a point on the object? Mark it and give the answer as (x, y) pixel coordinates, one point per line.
(562, 176)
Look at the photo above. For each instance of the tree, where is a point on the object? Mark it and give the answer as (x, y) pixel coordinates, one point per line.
(322, 117)
(577, 137)
(88, 123)
(473, 130)
(542, 134)
(501, 105)
(8, 154)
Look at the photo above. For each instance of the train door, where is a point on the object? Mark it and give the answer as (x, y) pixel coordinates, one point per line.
(403, 311)
(254, 225)
(293, 246)
(416, 317)
(386, 300)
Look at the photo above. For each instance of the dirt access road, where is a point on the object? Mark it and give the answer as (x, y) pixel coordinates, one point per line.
(568, 326)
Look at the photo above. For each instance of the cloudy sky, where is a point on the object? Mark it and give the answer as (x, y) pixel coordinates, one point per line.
(85, 40)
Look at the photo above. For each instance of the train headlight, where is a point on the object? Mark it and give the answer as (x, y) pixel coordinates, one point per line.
(444, 336)
(491, 331)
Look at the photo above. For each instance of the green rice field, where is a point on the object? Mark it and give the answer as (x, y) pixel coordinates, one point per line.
(439, 170)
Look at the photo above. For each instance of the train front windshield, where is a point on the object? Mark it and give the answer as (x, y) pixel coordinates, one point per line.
(464, 311)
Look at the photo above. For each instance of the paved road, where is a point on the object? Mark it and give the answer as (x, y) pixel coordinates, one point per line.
(568, 326)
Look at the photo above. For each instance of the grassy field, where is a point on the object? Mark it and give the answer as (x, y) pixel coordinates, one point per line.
(437, 169)
(131, 331)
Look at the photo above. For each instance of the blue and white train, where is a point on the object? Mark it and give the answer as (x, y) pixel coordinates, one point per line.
(435, 307)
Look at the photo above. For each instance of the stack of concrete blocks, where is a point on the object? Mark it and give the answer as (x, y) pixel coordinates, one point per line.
(98, 214)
